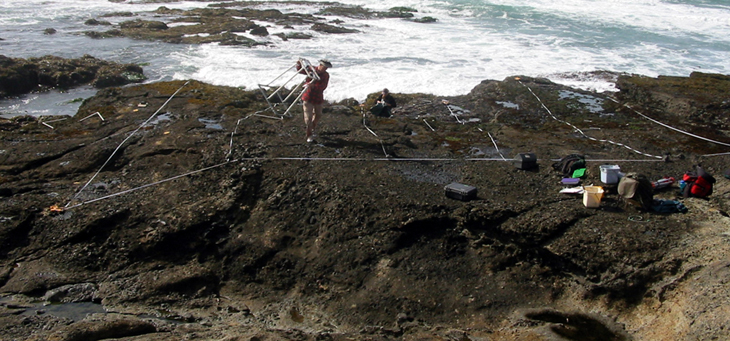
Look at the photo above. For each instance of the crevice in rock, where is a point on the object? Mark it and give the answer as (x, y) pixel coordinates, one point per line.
(17, 236)
(97, 232)
(579, 326)
(39, 162)
(413, 232)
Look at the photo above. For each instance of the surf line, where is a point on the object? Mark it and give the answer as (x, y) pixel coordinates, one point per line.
(122, 143)
(675, 129)
(581, 131)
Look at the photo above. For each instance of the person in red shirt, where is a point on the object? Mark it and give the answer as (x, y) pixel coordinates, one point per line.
(313, 96)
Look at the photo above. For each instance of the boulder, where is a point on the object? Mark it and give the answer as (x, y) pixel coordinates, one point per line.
(326, 28)
(94, 22)
(259, 31)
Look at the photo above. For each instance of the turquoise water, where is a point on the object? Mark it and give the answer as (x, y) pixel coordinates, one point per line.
(471, 41)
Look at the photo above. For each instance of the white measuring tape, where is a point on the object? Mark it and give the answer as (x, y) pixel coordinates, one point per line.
(122, 143)
(676, 129)
(387, 157)
(583, 133)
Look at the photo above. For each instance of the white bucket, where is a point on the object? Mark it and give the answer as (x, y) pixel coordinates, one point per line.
(592, 196)
(609, 174)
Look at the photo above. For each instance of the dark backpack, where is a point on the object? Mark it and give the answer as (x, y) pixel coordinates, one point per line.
(697, 184)
(636, 190)
(569, 164)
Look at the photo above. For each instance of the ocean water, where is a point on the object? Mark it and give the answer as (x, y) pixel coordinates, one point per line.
(473, 40)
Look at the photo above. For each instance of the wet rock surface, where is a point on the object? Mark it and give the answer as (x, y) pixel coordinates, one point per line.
(20, 76)
(209, 222)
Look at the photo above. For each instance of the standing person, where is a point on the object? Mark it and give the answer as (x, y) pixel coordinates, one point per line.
(387, 101)
(313, 96)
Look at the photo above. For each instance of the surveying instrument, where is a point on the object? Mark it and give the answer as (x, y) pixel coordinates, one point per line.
(275, 95)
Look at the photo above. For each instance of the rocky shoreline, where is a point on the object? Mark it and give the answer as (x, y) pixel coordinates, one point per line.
(20, 76)
(183, 210)
(211, 222)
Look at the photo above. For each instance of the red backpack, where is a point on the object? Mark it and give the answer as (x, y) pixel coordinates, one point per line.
(697, 184)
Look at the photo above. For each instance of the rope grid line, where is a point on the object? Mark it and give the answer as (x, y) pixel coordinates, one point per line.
(495, 146)
(149, 185)
(374, 134)
(230, 145)
(387, 157)
(122, 143)
(675, 129)
(581, 131)
(382, 159)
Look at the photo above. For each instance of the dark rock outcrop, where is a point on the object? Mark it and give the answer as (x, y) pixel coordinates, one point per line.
(143, 25)
(20, 76)
(259, 31)
(698, 100)
(398, 12)
(95, 22)
(294, 35)
(327, 28)
(118, 14)
(425, 20)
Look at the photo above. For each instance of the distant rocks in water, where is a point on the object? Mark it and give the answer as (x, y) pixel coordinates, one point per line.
(228, 23)
(49, 31)
(398, 12)
(295, 35)
(260, 31)
(136, 2)
(118, 14)
(356, 12)
(425, 20)
(327, 28)
(94, 22)
(144, 24)
(19, 76)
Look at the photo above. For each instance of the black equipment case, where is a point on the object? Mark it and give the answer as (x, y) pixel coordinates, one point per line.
(460, 191)
(525, 161)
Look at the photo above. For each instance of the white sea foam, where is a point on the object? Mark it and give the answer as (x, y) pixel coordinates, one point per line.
(453, 55)
(473, 40)
(662, 17)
